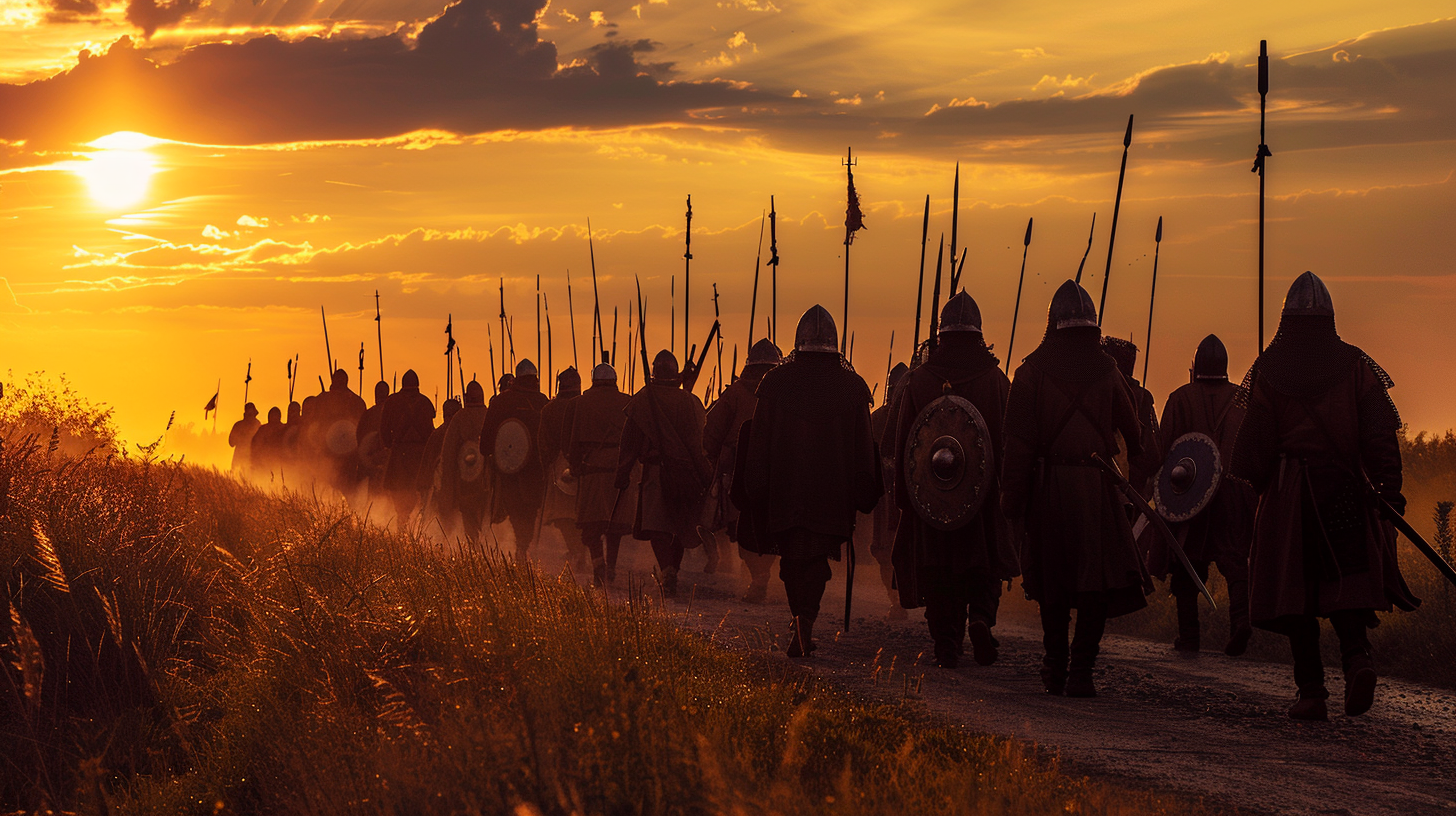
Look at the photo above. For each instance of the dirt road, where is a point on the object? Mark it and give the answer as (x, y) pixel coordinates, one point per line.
(1210, 727)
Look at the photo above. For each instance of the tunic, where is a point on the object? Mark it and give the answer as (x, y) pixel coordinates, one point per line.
(664, 432)
(593, 442)
(516, 494)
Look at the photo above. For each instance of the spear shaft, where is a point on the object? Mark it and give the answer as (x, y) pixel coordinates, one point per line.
(328, 353)
(955, 222)
(773, 260)
(1259, 163)
(596, 298)
(247, 380)
(1015, 313)
(688, 274)
(757, 262)
(1116, 206)
(379, 333)
(935, 298)
(1090, 231)
(920, 287)
(571, 316)
(505, 331)
(1152, 297)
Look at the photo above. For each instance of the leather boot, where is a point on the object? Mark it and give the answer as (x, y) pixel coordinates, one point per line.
(669, 582)
(1360, 679)
(802, 643)
(1079, 683)
(983, 646)
(1310, 705)
(599, 572)
(1054, 675)
(1189, 634)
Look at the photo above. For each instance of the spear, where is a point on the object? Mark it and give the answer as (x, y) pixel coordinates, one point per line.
(1015, 313)
(672, 316)
(379, 331)
(490, 348)
(596, 298)
(1088, 250)
(718, 317)
(757, 262)
(631, 341)
(935, 298)
(733, 373)
(361, 367)
(505, 331)
(550, 375)
(1148, 346)
(328, 354)
(1259, 163)
(889, 365)
(955, 222)
(642, 332)
(549, 344)
(955, 278)
(571, 315)
(773, 260)
(920, 287)
(290, 381)
(449, 350)
(460, 371)
(688, 274)
(613, 359)
(853, 221)
(246, 380)
(1116, 205)
(511, 338)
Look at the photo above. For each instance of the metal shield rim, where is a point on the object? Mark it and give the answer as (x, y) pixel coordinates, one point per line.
(982, 446)
(1206, 497)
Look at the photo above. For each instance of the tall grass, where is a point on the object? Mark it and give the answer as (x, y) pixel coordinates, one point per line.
(176, 642)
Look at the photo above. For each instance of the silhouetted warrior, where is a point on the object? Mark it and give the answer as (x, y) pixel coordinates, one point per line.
(463, 467)
(664, 432)
(1067, 402)
(1143, 467)
(720, 443)
(427, 478)
(1220, 534)
(809, 466)
(594, 438)
(877, 531)
(293, 449)
(956, 574)
(335, 414)
(373, 455)
(559, 509)
(508, 437)
(241, 439)
(405, 426)
(503, 383)
(1321, 431)
(267, 446)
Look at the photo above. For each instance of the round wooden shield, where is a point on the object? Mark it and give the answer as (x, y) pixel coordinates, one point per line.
(566, 482)
(512, 446)
(341, 438)
(948, 463)
(1189, 477)
(469, 461)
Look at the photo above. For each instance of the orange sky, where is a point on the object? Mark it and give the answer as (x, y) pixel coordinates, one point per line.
(300, 153)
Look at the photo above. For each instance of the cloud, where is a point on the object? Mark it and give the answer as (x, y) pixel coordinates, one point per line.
(479, 66)
(150, 15)
(8, 303)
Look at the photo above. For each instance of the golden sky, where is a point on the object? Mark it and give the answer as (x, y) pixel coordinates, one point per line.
(183, 184)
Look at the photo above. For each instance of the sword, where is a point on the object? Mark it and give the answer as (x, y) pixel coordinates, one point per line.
(1398, 521)
(849, 583)
(1141, 504)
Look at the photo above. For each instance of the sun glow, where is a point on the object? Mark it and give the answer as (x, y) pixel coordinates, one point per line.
(119, 173)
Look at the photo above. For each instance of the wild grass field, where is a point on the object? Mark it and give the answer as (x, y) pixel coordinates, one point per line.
(176, 642)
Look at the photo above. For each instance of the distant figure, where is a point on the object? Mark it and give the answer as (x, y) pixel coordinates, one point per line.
(405, 426)
(267, 446)
(593, 440)
(462, 467)
(810, 464)
(1321, 433)
(508, 438)
(878, 531)
(427, 477)
(559, 509)
(293, 449)
(956, 573)
(504, 383)
(1142, 468)
(720, 442)
(664, 432)
(241, 439)
(1221, 533)
(335, 419)
(1068, 401)
(373, 455)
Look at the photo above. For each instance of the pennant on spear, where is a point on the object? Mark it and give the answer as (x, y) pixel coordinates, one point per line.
(853, 222)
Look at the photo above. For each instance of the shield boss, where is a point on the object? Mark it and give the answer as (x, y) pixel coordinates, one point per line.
(1189, 477)
(512, 446)
(948, 463)
(469, 461)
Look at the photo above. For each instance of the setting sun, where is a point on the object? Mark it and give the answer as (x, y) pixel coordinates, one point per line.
(120, 172)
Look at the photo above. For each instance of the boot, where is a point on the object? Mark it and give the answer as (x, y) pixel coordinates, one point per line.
(710, 547)
(1360, 682)
(1238, 641)
(1310, 705)
(669, 582)
(599, 572)
(522, 553)
(1079, 684)
(947, 656)
(1054, 675)
(983, 646)
(1189, 634)
(802, 643)
(757, 593)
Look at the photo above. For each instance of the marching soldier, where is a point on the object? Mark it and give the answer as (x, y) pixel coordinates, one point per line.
(664, 432)
(373, 456)
(593, 440)
(1321, 436)
(810, 465)
(877, 531)
(427, 478)
(720, 443)
(294, 458)
(405, 426)
(1220, 533)
(953, 567)
(1142, 467)
(462, 466)
(1067, 402)
(508, 437)
(337, 413)
(267, 446)
(560, 507)
(241, 439)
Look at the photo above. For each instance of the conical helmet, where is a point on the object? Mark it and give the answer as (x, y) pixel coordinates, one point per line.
(1309, 296)
(960, 314)
(1210, 362)
(764, 352)
(816, 331)
(1071, 307)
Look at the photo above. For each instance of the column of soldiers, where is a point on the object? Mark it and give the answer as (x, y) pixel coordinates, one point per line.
(790, 463)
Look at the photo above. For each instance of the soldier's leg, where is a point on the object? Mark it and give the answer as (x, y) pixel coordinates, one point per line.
(1309, 669)
(1235, 573)
(887, 577)
(1054, 621)
(614, 546)
(1185, 593)
(591, 539)
(524, 526)
(669, 552)
(983, 601)
(1086, 645)
(1352, 626)
(945, 613)
(804, 583)
(759, 571)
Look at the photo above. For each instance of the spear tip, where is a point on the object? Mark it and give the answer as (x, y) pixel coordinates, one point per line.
(1159, 237)
(1127, 137)
(1026, 242)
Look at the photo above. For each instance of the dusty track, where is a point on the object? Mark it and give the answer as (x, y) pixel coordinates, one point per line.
(1209, 727)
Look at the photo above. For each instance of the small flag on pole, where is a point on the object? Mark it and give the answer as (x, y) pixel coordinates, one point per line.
(853, 215)
(210, 406)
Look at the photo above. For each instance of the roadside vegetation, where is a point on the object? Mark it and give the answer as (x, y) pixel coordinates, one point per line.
(175, 642)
